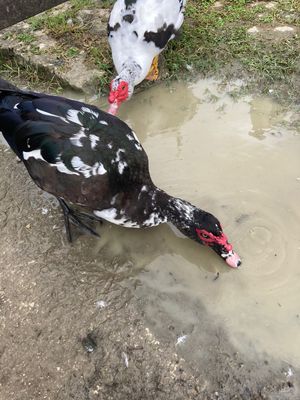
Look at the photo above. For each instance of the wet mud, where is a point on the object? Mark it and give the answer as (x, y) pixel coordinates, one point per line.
(145, 314)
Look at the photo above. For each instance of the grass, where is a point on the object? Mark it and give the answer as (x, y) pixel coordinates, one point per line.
(60, 23)
(213, 40)
(12, 70)
(72, 52)
(26, 37)
(66, 28)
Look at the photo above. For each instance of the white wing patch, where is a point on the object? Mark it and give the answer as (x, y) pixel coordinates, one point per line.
(113, 200)
(88, 110)
(110, 214)
(62, 168)
(87, 170)
(36, 154)
(76, 139)
(121, 164)
(154, 220)
(94, 140)
(134, 137)
(118, 157)
(72, 116)
(51, 115)
(137, 145)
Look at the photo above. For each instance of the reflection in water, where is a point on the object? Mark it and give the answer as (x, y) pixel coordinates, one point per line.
(154, 111)
(250, 185)
(157, 109)
(140, 248)
(265, 115)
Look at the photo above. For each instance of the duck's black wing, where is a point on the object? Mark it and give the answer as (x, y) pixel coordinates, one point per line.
(71, 149)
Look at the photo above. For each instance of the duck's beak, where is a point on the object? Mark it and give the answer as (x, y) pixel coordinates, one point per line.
(224, 249)
(232, 259)
(114, 102)
(113, 108)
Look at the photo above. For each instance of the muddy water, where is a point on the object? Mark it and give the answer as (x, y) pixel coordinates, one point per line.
(238, 160)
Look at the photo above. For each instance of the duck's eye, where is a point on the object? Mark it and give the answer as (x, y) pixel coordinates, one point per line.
(205, 236)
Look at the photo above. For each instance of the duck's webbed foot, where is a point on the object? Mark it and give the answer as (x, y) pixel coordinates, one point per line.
(75, 218)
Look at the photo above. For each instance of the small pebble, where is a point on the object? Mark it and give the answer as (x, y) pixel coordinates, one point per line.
(283, 29)
(289, 373)
(125, 358)
(101, 304)
(89, 343)
(181, 339)
(270, 5)
(254, 29)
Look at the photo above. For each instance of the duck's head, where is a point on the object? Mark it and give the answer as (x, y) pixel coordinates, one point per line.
(204, 228)
(120, 90)
(207, 230)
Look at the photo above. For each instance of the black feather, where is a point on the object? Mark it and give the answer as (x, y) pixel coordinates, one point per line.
(59, 129)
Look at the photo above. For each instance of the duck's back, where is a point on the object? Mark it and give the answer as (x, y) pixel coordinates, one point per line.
(71, 149)
(140, 29)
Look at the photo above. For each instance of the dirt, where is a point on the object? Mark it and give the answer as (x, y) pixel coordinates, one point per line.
(42, 53)
(75, 326)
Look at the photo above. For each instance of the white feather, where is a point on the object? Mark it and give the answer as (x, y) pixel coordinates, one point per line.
(87, 170)
(51, 115)
(110, 214)
(76, 138)
(127, 42)
(36, 154)
(94, 140)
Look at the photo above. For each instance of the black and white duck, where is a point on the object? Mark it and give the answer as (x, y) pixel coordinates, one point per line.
(90, 159)
(138, 30)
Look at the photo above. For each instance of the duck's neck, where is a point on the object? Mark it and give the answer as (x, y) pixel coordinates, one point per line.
(159, 207)
(130, 73)
(176, 211)
(147, 206)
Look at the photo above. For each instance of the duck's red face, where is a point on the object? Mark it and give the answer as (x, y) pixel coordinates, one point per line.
(219, 243)
(118, 93)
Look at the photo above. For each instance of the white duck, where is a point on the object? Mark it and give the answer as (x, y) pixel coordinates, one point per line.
(138, 30)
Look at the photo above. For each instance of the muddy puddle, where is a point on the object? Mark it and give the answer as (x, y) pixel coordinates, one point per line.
(239, 160)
